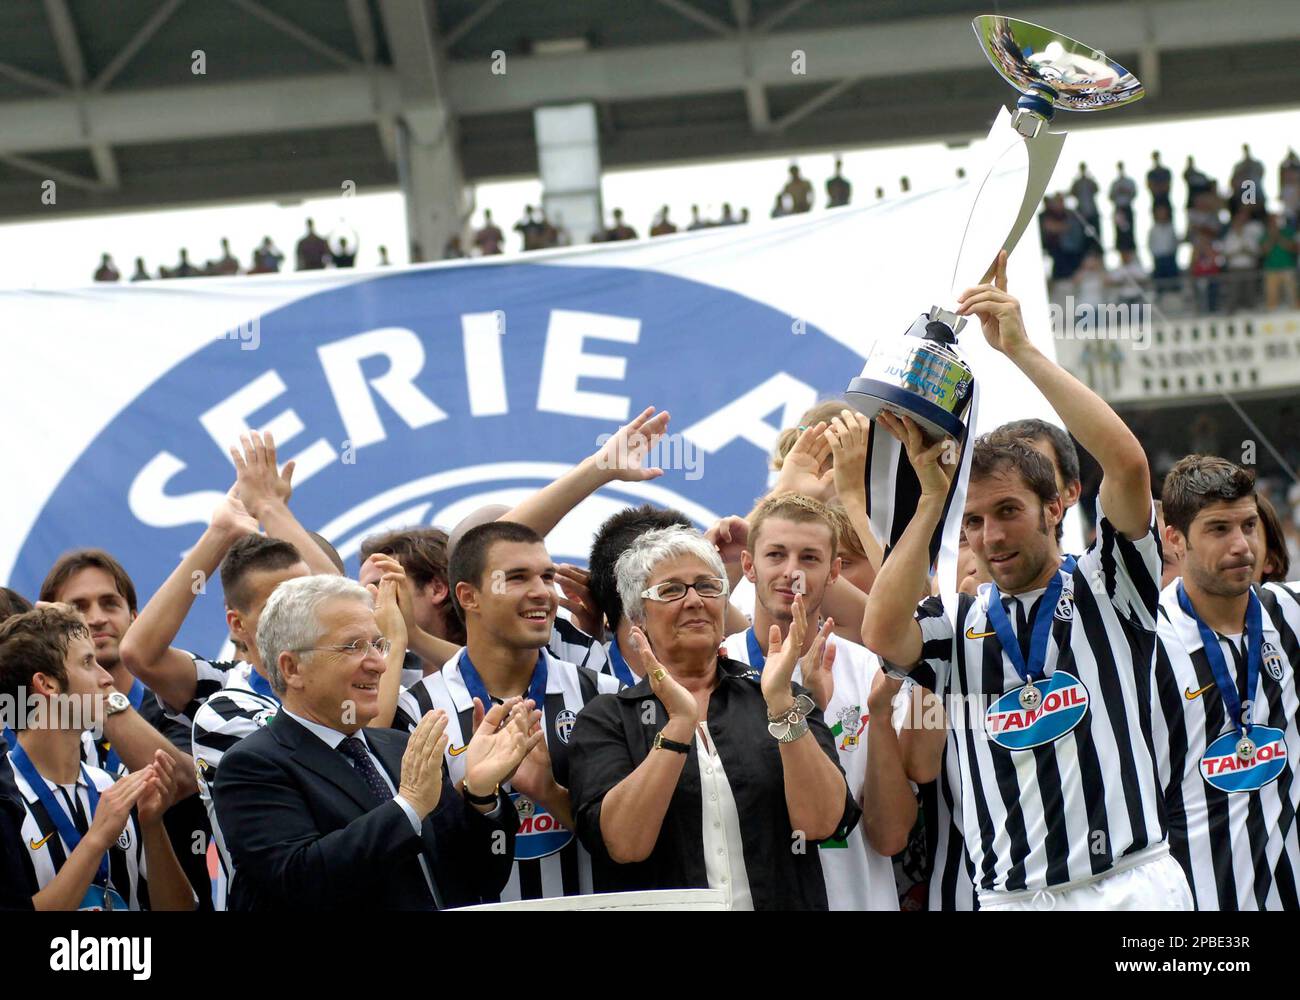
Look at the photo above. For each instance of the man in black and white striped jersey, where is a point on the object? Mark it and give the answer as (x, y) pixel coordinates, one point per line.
(502, 582)
(1060, 802)
(1224, 701)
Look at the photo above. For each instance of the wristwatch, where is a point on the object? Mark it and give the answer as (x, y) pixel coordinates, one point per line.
(117, 702)
(662, 744)
(480, 800)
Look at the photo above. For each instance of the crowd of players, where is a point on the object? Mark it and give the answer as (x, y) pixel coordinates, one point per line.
(1107, 729)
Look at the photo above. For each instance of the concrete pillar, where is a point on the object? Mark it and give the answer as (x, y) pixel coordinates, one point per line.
(568, 159)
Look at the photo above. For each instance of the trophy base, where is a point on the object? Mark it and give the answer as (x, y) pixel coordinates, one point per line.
(869, 396)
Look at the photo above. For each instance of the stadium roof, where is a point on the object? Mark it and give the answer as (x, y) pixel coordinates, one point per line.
(296, 95)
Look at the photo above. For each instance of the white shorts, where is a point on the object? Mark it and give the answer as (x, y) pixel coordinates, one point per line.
(1153, 881)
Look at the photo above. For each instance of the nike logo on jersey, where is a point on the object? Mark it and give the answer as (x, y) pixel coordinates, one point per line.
(36, 845)
(972, 634)
(457, 751)
(1193, 695)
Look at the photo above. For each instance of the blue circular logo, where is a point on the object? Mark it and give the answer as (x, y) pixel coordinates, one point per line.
(1064, 703)
(414, 397)
(1223, 769)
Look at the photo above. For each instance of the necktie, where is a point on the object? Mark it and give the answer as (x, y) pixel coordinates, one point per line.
(1014, 606)
(353, 749)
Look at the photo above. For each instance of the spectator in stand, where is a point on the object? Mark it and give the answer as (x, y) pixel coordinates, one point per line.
(550, 236)
(1063, 237)
(184, 269)
(226, 263)
(451, 250)
(530, 230)
(1241, 251)
(1123, 190)
(620, 230)
(1248, 185)
(1207, 265)
(880, 194)
(696, 221)
(344, 256)
(489, 238)
(107, 270)
(1129, 278)
(838, 190)
(744, 216)
(1085, 191)
(1159, 183)
(904, 185)
(799, 191)
(728, 219)
(661, 226)
(140, 273)
(1278, 259)
(383, 257)
(313, 252)
(782, 206)
(1206, 215)
(1288, 181)
(1163, 244)
(267, 258)
(1196, 181)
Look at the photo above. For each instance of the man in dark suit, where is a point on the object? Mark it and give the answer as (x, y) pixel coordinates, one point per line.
(321, 813)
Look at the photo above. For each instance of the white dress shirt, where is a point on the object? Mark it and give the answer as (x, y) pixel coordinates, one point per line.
(724, 851)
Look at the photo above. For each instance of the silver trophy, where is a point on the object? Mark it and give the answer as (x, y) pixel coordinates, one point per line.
(921, 374)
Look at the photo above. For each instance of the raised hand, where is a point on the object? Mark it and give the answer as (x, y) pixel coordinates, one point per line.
(388, 613)
(258, 481)
(847, 436)
(575, 595)
(232, 517)
(807, 466)
(677, 701)
(495, 751)
(816, 666)
(387, 567)
(115, 806)
(729, 536)
(421, 782)
(624, 455)
(935, 463)
(999, 313)
(782, 657)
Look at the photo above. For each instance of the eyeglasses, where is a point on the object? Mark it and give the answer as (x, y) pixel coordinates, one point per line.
(673, 590)
(358, 648)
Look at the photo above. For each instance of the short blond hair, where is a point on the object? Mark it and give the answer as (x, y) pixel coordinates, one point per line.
(794, 507)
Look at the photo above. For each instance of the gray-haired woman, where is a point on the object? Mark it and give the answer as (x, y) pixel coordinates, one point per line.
(706, 774)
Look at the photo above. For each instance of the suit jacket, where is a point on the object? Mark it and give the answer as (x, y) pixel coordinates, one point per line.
(304, 833)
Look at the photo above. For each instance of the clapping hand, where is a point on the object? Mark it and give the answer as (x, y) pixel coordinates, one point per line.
(258, 481)
(495, 751)
(815, 669)
(778, 673)
(421, 782)
(677, 701)
(232, 517)
(115, 806)
(159, 793)
(807, 467)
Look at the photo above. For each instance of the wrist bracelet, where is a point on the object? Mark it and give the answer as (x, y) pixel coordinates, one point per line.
(480, 800)
(800, 707)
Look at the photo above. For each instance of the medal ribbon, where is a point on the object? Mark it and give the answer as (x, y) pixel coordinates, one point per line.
(1218, 665)
(621, 670)
(58, 814)
(757, 658)
(260, 684)
(1040, 629)
(477, 689)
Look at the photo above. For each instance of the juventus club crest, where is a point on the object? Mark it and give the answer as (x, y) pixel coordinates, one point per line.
(1272, 661)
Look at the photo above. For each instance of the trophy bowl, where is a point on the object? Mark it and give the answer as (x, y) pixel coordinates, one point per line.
(919, 376)
(1038, 60)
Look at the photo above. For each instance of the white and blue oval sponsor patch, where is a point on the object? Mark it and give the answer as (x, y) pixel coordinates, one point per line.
(540, 834)
(1064, 704)
(1223, 769)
